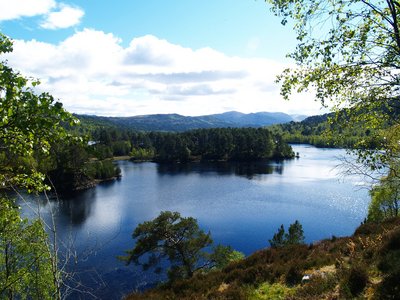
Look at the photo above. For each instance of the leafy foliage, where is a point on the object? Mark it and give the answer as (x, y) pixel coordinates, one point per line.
(278, 239)
(102, 170)
(221, 256)
(30, 124)
(170, 236)
(326, 131)
(180, 241)
(385, 198)
(352, 56)
(348, 53)
(295, 234)
(268, 291)
(25, 260)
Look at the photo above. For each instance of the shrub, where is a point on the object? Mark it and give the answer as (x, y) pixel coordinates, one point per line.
(232, 292)
(389, 288)
(274, 291)
(354, 281)
(293, 275)
(367, 229)
(390, 262)
(317, 286)
(390, 252)
(358, 279)
(392, 240)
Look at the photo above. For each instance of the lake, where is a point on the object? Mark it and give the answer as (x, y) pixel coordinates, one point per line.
(241, 204)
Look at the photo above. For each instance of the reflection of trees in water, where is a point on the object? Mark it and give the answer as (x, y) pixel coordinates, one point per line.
(78, 206)
(249, 170)
(245, 169)
(278, 169)
(108, 183)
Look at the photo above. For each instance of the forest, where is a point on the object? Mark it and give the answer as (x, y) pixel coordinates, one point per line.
(327, 130)
(81, 163)
(228, 144)
(87, 157)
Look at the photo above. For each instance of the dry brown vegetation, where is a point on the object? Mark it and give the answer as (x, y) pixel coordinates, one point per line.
(363, 266)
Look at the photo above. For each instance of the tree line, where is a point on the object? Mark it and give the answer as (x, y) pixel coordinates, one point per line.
(328, 131)
(229, 144)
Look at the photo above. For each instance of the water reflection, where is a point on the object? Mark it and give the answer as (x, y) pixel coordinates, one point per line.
(78, 207)
(109, 183)
(244, 169)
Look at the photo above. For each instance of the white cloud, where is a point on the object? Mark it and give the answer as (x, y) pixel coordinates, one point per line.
(92, 73)
(55, 15)
(15, 9)
(67, 16)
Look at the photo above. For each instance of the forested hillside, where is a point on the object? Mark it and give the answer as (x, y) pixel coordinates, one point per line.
(327, 131)
(179, 123)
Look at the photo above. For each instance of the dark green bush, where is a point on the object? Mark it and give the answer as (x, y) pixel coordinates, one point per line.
(293, 275)
(389, 288)
(390, 262)
(390, 252)
(358, 279)
(354, 281)
(392, 241)
(368, 228)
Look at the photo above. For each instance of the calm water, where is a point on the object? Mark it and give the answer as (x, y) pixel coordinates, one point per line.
(242, 204)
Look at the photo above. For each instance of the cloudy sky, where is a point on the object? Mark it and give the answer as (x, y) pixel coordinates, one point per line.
(133, 57)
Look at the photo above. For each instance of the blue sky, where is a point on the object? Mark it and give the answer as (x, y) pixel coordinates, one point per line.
(137, 57)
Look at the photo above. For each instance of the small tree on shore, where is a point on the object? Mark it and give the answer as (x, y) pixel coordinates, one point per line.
(294, 236)
(170, 236)
(278, 239)
(181, 242)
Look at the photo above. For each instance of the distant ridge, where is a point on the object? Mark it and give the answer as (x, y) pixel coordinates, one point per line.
(178, 123)
(254, 119)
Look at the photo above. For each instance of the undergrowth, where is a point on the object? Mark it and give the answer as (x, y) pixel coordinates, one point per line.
(363, 266)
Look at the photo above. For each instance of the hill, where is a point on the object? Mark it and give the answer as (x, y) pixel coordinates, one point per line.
(320, 132)
(363, 266)
(253, 119)
(179, 123)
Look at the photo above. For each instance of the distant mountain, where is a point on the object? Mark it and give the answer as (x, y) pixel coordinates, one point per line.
(253, 119)
(178, 123)
(299, 118)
